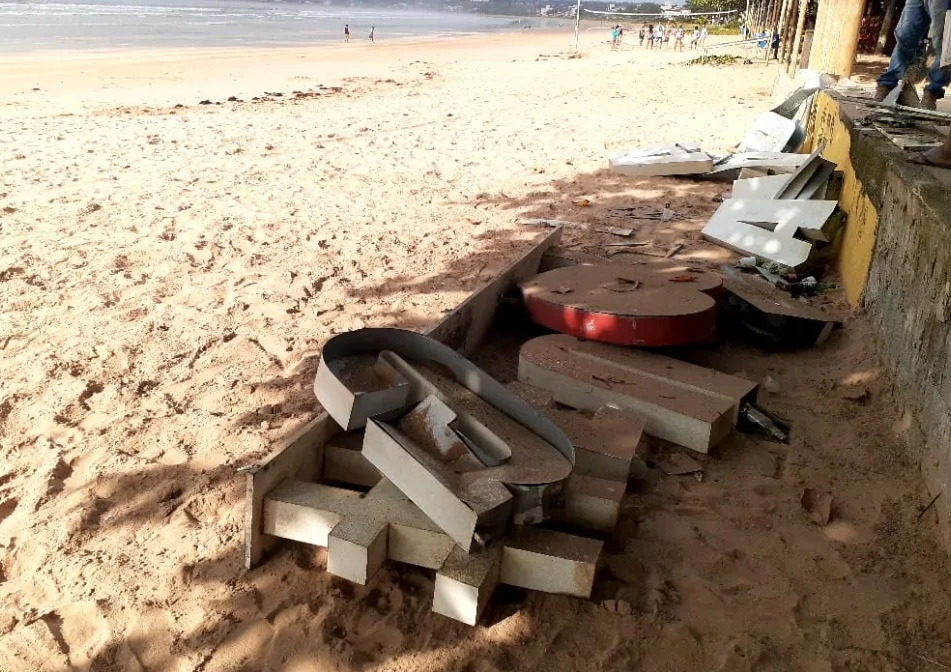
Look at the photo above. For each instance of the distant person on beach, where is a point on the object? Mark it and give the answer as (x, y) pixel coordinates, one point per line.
(774, 44)
(620, 35)
(640, 36)
(703, 36)
(372, 30)
(919, 19)
(695, 38)
(614, 37)
(679, 38)
(659, 36)
(650, 36)
(346, 33)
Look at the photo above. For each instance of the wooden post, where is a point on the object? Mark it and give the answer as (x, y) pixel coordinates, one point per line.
(783, 28)
(886, 27)
(836, 43)
(797, 40)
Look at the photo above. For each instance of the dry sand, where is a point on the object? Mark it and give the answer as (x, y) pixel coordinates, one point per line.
(168, 274)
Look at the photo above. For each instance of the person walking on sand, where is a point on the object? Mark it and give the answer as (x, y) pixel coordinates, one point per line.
(918, 19)
(346, 32)
(650, 36)
(659, 35)
(372, 30)
(695, 38)
(640, 36)
(614, 38)
(703, 36)
(679, 38)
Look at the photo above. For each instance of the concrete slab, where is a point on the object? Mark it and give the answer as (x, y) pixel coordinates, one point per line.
(686, 404)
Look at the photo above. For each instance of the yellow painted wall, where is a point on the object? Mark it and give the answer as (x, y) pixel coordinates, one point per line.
(858, 241)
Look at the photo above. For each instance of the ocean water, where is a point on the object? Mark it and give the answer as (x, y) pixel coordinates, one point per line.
(104, 24)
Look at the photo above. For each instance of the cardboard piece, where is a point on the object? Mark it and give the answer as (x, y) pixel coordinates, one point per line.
(679, 159)
(683, 403)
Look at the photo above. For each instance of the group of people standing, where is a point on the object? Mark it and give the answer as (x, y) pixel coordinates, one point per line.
(656, 36)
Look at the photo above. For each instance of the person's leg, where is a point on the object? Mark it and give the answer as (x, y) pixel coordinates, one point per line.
(938, 78)
(939, 156)
(913, 26)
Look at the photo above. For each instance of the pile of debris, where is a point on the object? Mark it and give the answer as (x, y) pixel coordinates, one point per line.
(423, 458)
(782, 215)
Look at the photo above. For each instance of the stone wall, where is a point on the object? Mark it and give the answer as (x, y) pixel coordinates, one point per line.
(906, 292)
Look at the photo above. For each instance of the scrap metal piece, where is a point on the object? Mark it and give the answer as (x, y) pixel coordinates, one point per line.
(657, 306)
(678, 159)
(532, 485)
(687, 404)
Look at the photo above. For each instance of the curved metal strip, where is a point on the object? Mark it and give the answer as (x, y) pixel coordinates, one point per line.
(351, 409)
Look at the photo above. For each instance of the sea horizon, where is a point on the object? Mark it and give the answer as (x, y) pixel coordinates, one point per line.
(122, 24)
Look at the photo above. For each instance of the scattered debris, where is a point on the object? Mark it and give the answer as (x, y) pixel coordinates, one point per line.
(679, 464)
(818, 505)
(930, 504)
(860, 394)
(759, 421)
(553, 223)
(615, 231)
(665, 215)
(771, 315)
(622, 607)
(674, 250)
(718, 59)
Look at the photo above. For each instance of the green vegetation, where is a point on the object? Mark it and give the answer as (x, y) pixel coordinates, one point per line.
(718, 59)
(716, 5)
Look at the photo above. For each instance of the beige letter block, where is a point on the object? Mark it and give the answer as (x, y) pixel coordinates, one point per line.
(465, 583)
(550, 562)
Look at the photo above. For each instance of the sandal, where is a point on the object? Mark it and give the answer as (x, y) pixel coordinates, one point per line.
(921, 158)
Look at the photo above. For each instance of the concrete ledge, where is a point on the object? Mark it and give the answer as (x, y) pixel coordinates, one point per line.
(896, 265)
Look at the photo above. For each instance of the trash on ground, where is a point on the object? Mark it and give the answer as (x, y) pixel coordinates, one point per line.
(818, 505)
